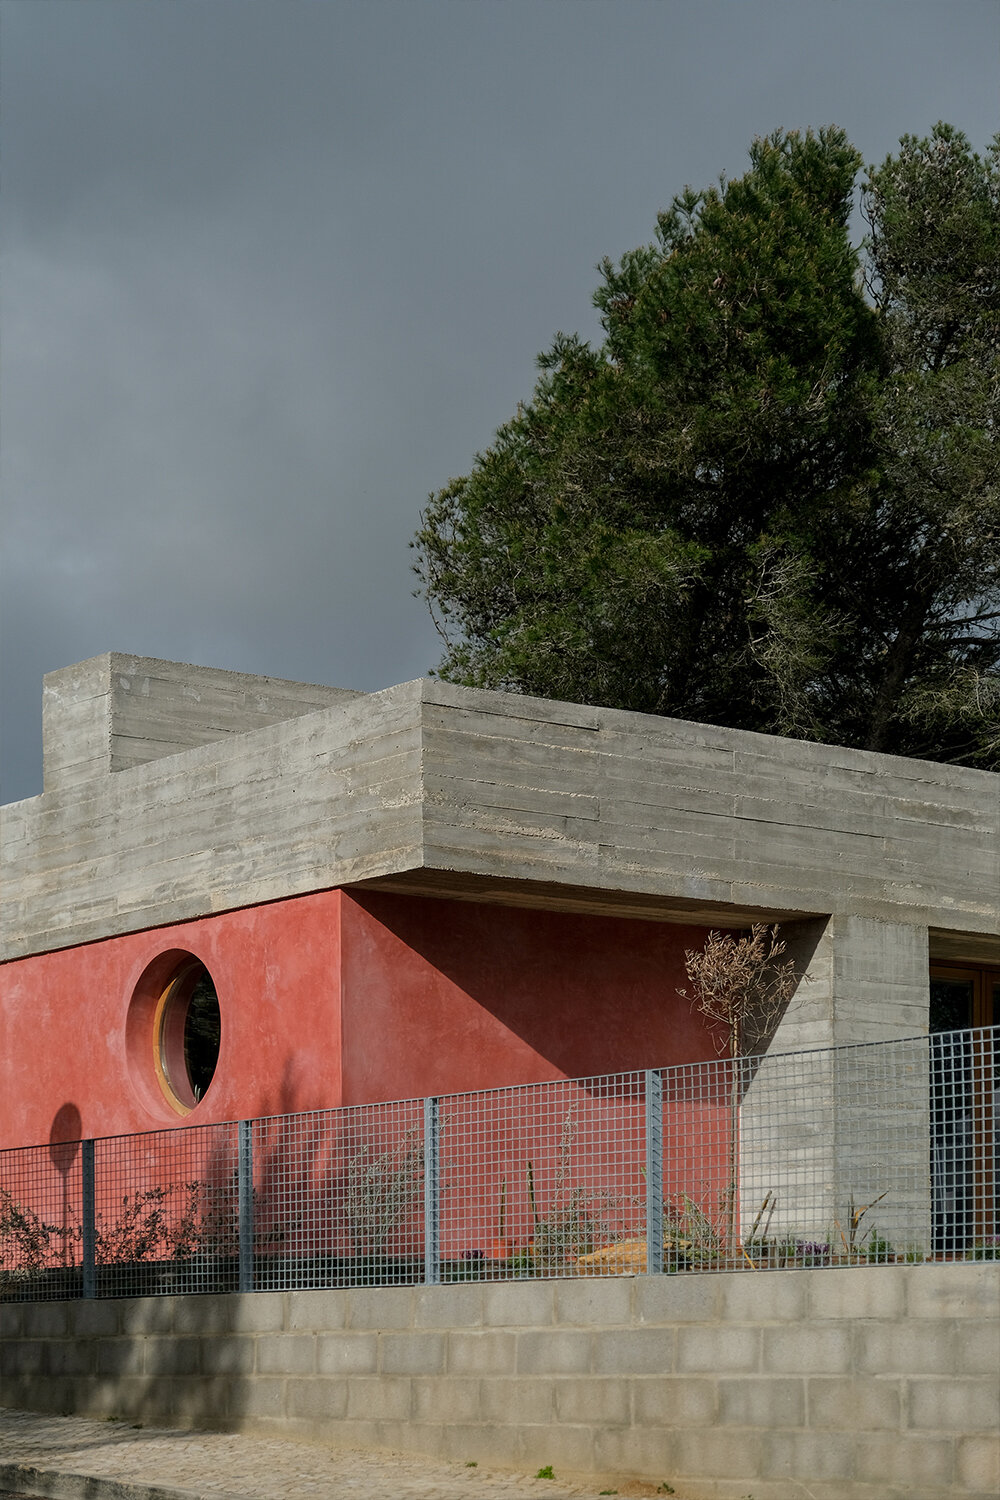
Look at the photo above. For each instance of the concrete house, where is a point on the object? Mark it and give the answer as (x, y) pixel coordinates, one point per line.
(239, 898)
(242, 896)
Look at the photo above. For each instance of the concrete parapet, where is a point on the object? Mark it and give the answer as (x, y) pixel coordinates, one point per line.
(875, 1383)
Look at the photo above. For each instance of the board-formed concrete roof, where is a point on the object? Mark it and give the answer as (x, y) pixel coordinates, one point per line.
(172, 792)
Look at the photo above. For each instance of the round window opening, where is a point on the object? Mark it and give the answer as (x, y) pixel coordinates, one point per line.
(187, 1033)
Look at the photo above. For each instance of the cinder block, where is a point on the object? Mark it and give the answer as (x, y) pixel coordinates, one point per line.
(201, 1403)
(673, 1401)
(592, 1399)
(980, 1347)
(635, 1452)
(762, 1297)
(554, 1351)
(718, 1453)
(448, 1306)
(807, 1456)
(379, 1398)
(286, 1354)
(68, 1357)
(889, 1458)
(172, 1356)
(969, 1290)
(719, 1351)
(21, 1357)
(347, 1353)
(678, 1298)
(228, 1354)
(379, 1307)
(203, 1315)
(857, 1292)
(446, 1399)
(853, 1404)
(519, 1304)
(141, 1315)
(924, 1348)
(978, 1464)
(316, 1311)
(762, 1401)
(259, 1312)
(594, 1303)
(634, 1351)
(481, 1352)
(964, 1406)
(806, 1349)
(519, 1402)
(48, 1320)
(357, 1432)
(411, 1353)
(487, 1445)
(565, 1448)
(263, 1398)
(120, 1356)
(11, 1321)
(316, 1400)
(93, 1319)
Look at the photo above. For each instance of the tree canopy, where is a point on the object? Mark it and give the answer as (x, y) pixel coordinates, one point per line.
(771, 497)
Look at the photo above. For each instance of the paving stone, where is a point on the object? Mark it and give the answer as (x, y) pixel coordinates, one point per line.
(231, 1466)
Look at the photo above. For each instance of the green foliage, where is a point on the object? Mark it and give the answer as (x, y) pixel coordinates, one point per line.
(771, 497)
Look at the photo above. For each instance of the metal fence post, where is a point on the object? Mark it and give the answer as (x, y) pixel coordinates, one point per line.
(245, 1182)
(654, 1170)
(432, 1203)
(88, 1219)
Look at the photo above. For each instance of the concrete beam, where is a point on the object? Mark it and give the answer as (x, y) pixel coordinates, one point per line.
(444, 790)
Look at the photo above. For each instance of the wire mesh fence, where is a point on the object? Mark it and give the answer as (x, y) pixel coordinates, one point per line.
(852, 1155)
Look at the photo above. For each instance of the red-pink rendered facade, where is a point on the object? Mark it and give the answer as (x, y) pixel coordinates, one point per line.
(344, 998)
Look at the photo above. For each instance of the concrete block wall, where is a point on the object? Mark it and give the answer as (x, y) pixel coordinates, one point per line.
(861, 1384)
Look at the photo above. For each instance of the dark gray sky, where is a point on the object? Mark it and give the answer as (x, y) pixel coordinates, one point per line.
(273, 271)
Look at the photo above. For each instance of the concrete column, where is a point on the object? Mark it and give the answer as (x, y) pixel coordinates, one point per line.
(827, 1133)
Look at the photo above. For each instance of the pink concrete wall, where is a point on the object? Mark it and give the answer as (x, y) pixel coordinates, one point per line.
(335, 998)
(63, 1034)
(442, 996)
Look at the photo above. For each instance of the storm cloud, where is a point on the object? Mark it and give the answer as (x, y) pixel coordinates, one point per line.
(273, 271)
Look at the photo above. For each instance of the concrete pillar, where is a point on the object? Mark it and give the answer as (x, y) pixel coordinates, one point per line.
(828, 1132)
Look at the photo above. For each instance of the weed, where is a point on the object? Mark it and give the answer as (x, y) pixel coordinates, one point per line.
(382, 1191)
(545, 1472)
(470, 1463)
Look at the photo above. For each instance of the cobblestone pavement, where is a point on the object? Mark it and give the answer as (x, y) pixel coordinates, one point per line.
(224, 1466)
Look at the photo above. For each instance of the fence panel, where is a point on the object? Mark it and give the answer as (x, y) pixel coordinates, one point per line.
(338, 1197)
(833, 1157)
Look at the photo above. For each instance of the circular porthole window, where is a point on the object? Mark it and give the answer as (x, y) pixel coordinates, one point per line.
(174, 1032)
(188, 1031)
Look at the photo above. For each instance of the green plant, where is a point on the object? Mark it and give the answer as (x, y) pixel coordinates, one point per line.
(854, 1240)
(878, 1251)
(988, 1249)
(691, 1236)
(382, 1190)
(571, 1226)
(27, 1242)
(545, 1472)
